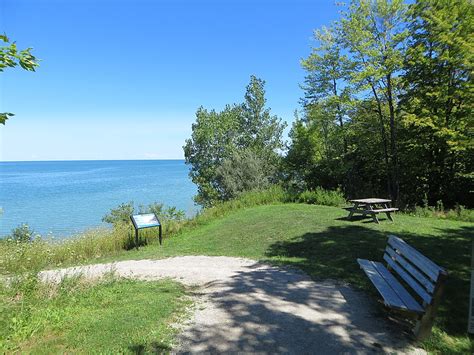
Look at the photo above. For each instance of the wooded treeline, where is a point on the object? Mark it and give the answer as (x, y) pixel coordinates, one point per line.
(386, 111)
(387, 106)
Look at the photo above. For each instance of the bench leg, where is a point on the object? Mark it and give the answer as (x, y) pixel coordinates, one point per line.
(425, 323)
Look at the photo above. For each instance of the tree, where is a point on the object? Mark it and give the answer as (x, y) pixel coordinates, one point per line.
(214, 137)
(438, 100)
(374, 31)
(261, 130)
(327, 79)
(11, 57)
(314, 155)
(217, 135)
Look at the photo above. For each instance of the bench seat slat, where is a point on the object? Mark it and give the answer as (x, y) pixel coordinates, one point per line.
(408, 279)
(426, 283)
(391, 298)
(404, 295)
(416, 258)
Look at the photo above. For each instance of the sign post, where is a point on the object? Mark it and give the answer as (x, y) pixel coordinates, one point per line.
(470, 328)
(142, 221)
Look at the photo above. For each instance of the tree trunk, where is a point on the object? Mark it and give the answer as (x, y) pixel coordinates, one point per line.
(339, 116)
(384, 139)
(393, 142)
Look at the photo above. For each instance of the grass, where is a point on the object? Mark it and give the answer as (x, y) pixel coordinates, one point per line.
(320, 241)
(316, 239)
(111, 316)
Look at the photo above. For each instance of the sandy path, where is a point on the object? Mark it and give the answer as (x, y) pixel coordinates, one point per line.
(246, 306)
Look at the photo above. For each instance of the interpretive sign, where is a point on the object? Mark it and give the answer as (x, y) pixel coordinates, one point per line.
(148, 220)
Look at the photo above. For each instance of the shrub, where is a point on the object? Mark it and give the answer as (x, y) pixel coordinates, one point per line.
(459, 213)
(320, 196)
(119, 215)
(244, 171)
(22, 234)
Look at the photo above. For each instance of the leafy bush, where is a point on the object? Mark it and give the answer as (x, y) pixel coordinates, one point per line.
(244, 171)
(119, 215)
(22, 234)
(320, 196)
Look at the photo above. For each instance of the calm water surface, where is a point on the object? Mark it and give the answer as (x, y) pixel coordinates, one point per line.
(67, 197)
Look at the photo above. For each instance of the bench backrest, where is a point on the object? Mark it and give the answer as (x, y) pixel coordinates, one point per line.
(415, 269)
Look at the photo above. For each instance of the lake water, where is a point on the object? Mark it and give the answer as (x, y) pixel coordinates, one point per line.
(66, 197)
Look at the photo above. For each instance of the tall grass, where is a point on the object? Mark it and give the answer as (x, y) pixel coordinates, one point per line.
(19, 256)
(320, 196)
(459, 213)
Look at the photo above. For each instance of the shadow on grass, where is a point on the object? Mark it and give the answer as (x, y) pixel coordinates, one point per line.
(153, 348)
(332, 254)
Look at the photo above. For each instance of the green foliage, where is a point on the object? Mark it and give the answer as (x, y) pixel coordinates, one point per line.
(459, 213)
(119, 215)
(319, 196)
(22, 234)
(11, 57)
(244, 171)
(169, 217)
(77, 315)
(388, 101)
(315, 156)
(217, 136)
(438, 100)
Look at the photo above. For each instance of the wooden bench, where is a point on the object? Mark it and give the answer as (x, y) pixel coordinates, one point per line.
(424, 282)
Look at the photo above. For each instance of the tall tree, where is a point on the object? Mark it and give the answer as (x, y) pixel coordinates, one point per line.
(214, 137)
(438, 100)
(11, 57)
(374, 31)
(261, 130)
(217, 136)
(326, 82)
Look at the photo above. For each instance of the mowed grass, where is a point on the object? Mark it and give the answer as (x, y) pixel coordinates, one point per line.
(112, 316)
(320, 241)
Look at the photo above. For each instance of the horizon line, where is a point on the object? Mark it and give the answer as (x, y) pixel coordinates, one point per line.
(66, 160)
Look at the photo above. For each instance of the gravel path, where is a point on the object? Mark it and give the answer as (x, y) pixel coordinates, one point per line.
(247, 306)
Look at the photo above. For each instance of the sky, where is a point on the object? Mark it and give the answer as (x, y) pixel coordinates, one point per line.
(123, 79)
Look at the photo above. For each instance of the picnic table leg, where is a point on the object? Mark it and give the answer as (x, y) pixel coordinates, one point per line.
(374, 215)
(385, 205)
(351, 212)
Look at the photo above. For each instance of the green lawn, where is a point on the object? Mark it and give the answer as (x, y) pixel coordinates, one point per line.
(110, 317)
(320, 241)
(316, 239)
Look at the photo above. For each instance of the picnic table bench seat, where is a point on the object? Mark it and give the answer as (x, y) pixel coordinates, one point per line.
(381, 210)
(423, 280)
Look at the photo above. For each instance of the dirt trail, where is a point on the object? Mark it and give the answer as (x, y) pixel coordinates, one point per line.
(247, 306)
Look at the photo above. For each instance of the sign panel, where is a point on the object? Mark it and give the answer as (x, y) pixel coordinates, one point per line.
(145, 220)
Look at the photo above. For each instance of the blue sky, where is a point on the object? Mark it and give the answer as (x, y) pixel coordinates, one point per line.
(123, 79)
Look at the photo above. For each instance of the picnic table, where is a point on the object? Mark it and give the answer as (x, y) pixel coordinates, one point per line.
(372, 207)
